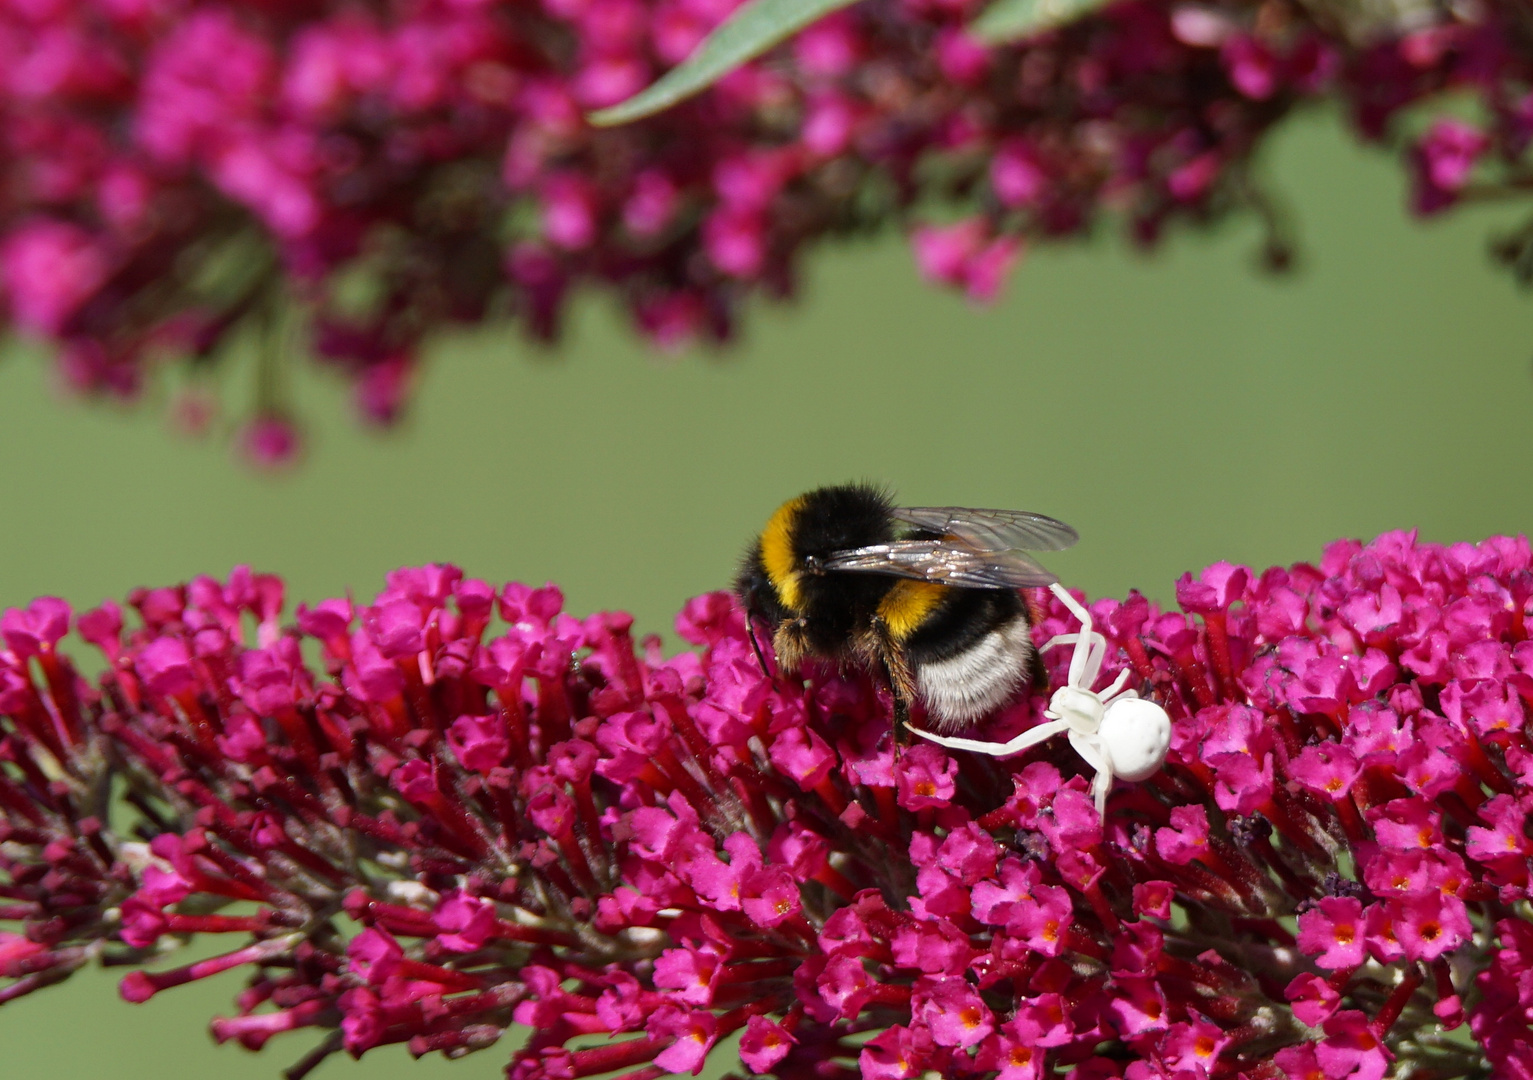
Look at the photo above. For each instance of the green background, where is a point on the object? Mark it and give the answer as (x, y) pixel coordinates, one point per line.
(1177, 409)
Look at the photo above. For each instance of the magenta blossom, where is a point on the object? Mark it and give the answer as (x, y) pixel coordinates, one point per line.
(174, 172)
(418, 824)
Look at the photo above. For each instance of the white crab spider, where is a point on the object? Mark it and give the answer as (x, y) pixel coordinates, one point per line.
(1119, 734)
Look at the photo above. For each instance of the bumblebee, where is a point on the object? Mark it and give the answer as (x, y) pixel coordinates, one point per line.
(927, 594)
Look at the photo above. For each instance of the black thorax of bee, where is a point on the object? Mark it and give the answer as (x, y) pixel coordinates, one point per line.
(815, 612)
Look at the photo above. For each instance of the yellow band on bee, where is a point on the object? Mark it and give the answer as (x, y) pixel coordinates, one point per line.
(777, 552)
(905, 607)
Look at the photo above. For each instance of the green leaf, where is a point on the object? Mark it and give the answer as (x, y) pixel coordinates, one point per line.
(1007, 21)
(753, 29)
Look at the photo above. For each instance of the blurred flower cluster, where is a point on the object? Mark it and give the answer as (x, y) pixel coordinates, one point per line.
(181, 176)
(458, 808)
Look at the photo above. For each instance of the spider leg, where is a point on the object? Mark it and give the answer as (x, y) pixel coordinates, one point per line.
(1091, 750)
(1030, 737)
(1117, 684)
(1082, 655)
(1094, 658)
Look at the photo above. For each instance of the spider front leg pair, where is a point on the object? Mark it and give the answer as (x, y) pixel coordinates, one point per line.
(1118, 733)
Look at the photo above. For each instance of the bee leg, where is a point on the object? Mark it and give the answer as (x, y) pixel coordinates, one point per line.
(788, 645)
(750, 630)
(902, 683)
(1037, 674)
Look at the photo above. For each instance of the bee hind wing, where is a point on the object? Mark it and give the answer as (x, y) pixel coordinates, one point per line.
(991, 530)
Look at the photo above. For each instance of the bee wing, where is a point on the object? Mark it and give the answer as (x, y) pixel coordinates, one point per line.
(942, 561)
(979, 549)
(991, 530)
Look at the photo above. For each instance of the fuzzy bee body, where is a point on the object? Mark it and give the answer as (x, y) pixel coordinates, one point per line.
(929, 594)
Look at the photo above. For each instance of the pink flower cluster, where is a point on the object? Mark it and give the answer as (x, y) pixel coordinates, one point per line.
(176, 172)
(458, 808)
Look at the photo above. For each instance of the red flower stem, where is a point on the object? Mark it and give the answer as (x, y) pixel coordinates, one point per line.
(1442, 976)
(387, 832)
(18, 804)
(32, 718)
(216, 924)
(533, 935)
(267, 780)
(889, 994)
(681, 779)
(553, 712)
(505, 810)
(1209, 883)
(753, 798)
(43, 961)
(1078, 940)
(199, 723)
(395, 918)
(1484, 769)
(1103, 910)
(657, 780)
(36, 981)
(313, 863)
(1351, 821)
(1379, 786)
(630, 679)
(999, 818)
(836, 882)
(1342, 978)
(296, 728)
(477, 1036)
(585, 807)
(1134, 648)
(390, 720)
(1288, 817)
(58, 672)
(702, 751)
(1390, 1011)
(1297, 884)
(1293, 741)
(1251, 882)
(450, 978)
(337, 735)
(1454, 806)
(559, 877)
(580, 868)
(237, 882)
(497, 997)
(1195, 678)
(888, 810)
(418, 694)
(513, 714)
(456, 824)
(140, 986)
(831, 796)
(600, 1059)
(1217, 638)
(753, 970)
